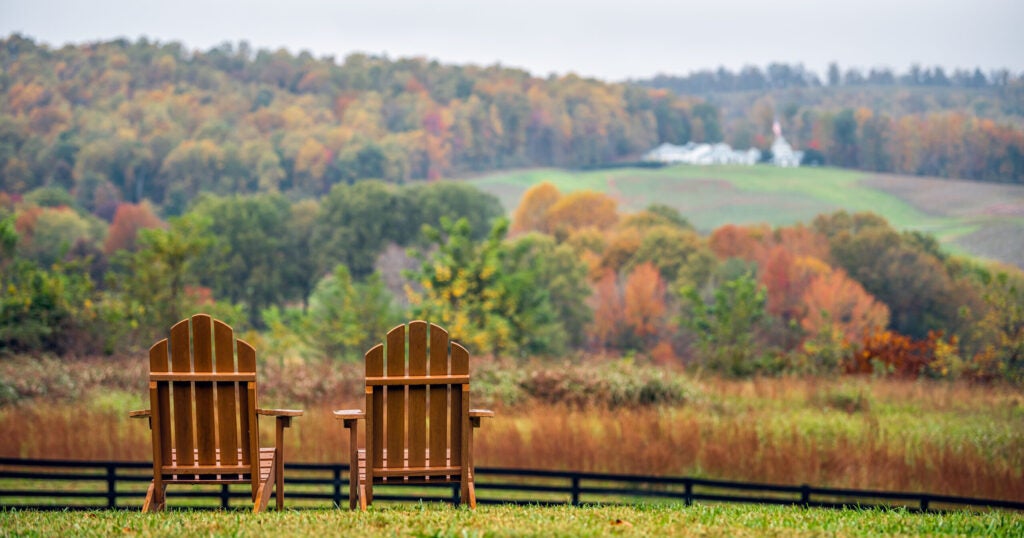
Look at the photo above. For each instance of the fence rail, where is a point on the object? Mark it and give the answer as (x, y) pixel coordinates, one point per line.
(75, 485)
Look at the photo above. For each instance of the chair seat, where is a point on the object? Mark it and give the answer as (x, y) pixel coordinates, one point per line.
(216, 473)
(392, 472)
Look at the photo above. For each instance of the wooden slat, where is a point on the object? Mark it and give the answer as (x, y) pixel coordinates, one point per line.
(417, 380)
(437, 436)
(375, 406)
(227, 393)
(417, 471)
(374, 417)
(202, 363)
(160, 402)
(181, 361)
(460, 366)
(246, 402)
(396, 402)
(208, 469)
(203, 377)
(417, 394)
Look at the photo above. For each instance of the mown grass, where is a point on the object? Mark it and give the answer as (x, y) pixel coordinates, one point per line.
(438, 520)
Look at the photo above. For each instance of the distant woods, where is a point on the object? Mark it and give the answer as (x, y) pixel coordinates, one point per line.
(124, 121)
(780, 76)
(965, 124)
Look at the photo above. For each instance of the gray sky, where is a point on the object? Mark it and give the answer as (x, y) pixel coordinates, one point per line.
(609, 40)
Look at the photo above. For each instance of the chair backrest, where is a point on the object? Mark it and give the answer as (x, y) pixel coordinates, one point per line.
(203, 401)
(417, 386)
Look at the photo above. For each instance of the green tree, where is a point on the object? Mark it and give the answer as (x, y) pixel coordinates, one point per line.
(466, 287)
(152, 282)
(345, 318)
(251, 259)
(726, 324)
(562, 275)
(356, 222)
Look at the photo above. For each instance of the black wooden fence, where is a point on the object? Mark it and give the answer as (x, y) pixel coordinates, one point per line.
(60, 485)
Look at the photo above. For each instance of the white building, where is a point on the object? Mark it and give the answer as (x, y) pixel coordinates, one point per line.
(702, 154)
(782, 152)
(708, 154)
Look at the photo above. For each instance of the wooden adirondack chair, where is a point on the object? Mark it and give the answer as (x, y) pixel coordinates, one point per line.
(203, 414)
(418, 421)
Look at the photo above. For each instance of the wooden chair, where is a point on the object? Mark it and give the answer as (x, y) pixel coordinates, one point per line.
(418, 421)
(203, 415)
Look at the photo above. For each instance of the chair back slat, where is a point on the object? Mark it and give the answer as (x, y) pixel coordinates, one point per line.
(395, 403)
(417, 399)
(160, 405)
(202, 362)
(181, 393)
(438, 401)
(247, 406)
(227, 394)
(375, 407)
(459, 403)
(417, 394)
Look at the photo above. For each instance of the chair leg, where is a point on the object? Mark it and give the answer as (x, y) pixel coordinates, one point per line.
(156, 498)
(279, 482)
(467, 491)
(263, 494)
(148, 505)
(362, 497)
(471, 495)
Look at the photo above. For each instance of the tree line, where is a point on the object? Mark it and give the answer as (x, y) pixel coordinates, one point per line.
(780, 76)
(124, 121)
(569, 274)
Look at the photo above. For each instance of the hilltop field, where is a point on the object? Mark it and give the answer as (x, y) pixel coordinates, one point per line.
(981, 219)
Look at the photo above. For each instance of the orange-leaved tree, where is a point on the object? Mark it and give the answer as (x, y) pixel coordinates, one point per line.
(531, 215)
(644, 304)
(582, 209)
(128, 220)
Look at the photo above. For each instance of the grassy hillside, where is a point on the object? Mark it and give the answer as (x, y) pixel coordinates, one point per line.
(981, 219)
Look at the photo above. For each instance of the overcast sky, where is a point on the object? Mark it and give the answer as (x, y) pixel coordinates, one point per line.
(609, 40)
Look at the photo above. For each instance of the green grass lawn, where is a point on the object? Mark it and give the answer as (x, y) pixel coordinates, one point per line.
(959, 213)
(443, 520)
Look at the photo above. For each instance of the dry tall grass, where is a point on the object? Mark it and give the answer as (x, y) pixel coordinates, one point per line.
(893, 435)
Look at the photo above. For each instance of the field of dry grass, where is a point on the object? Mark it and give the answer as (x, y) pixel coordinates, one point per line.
(947, 438)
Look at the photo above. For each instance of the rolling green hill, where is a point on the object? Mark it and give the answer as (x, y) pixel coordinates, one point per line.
(980, 219)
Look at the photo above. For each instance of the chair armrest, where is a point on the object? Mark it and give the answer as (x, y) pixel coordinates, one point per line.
(279, 412)
(142, 413)
(349, 416)
(476, 414)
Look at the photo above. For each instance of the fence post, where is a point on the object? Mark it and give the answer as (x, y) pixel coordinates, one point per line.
(805, 494)
(225, 497)
(924, 503)
(688, 495)
(337, 485)
(575, 491)
(111, 485)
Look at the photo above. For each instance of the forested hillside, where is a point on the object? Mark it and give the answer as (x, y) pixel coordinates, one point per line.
(127, 121)
(124, 121)
(924, 122)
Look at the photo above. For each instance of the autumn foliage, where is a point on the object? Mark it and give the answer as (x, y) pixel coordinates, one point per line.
(886, 352)
(128, 220)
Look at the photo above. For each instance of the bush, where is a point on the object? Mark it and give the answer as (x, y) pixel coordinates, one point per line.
(617, 384)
